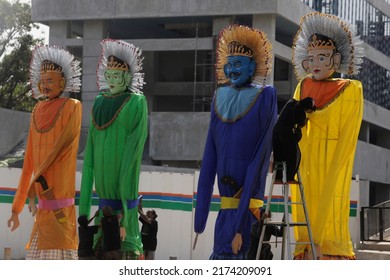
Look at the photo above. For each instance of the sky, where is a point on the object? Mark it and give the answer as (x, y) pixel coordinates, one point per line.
(43, 31)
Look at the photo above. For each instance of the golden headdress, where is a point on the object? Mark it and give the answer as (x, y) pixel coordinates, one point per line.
(317, 41)
(115, 63)
(50, 66)
(53, 58)
(343, 39)
(120, 55)
(245, 41)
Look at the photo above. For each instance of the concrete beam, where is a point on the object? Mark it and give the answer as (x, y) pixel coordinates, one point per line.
(282, 51)
(376, 56)
(174, 44)
(381, 5)
(48, 10)
(376, 115)
(372, 163)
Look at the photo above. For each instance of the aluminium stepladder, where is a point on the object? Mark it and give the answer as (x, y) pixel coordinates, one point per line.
(286, 223)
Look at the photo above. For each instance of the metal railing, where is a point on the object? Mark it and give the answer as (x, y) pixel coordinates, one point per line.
(375, 223)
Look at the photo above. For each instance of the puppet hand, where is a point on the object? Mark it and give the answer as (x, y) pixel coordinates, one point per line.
(14, 221)
(237, 243)
(122, 231)
(32, 207)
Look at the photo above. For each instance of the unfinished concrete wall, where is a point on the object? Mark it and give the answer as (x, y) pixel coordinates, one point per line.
(14, 127)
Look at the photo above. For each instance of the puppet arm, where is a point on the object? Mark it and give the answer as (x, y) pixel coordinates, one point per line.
(206, 179)
(132, 156)
(256, 174)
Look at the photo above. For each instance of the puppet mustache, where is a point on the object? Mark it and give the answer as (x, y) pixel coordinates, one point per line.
(234, 74)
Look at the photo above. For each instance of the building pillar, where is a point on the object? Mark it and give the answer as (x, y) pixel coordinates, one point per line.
(364, 134)
(58, 33)
(220, 23)
(267, 24)
(150, 70)
(94, 32)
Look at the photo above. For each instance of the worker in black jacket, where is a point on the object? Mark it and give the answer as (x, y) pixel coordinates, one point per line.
(287, 133)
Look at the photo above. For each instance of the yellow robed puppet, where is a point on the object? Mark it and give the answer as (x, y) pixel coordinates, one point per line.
(323, 45)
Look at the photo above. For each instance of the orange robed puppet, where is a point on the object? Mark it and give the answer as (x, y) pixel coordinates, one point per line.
(49, 167)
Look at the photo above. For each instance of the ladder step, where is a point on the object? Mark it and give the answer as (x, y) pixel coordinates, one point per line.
(299, 243)
(280, 182)
(276, 241)
(298, 224)
(286, 225)
(288, 203)
(277, 223)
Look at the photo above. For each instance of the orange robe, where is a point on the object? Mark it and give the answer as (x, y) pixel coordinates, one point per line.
(51, 151)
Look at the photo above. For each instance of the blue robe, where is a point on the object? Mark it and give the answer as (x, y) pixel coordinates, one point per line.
(239, 145)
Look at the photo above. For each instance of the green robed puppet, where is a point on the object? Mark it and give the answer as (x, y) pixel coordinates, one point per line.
(115, 144)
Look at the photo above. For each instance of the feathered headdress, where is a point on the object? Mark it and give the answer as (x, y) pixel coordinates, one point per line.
(245, 41)
(53, 58)
(131, 60)
(344, 38)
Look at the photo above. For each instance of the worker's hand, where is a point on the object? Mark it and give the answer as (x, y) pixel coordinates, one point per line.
(96, 214)
(32, 206)
(140, 204)
(122, 232)
(237, 243)
(13, 221)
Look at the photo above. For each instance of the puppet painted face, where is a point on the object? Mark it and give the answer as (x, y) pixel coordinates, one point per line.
(51, 84)
(117, 75)
(322, 63)
(117, 80)
(239, 69)
(323, 60)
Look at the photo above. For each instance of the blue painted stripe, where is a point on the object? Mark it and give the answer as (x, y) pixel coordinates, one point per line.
(168, 198)
(7, 192)
(213, 199)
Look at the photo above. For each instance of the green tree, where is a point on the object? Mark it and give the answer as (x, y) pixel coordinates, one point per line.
(16, 45)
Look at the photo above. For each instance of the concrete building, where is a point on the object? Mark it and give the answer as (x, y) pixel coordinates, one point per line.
(178, 40)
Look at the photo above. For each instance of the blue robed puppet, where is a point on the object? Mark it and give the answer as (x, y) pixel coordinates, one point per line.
(239, 141)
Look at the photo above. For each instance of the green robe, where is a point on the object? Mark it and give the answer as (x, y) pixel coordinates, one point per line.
(112, 159)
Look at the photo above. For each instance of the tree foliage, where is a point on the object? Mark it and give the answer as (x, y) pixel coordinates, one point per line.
(16, 44)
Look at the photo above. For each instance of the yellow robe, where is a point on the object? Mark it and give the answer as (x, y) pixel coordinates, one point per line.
(51, 151)
(328, 148)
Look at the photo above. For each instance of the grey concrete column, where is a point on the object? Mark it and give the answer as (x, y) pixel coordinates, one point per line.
(150, 77)
(94, 32)
(267, 24)
(58, 33)
(220, 23)
(364, 134)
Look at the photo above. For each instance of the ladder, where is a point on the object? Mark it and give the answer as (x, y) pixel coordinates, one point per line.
(286, 223)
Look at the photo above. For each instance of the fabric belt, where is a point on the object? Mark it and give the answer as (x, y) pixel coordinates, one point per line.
(55, 203)
(116, 204)
(232, 203)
